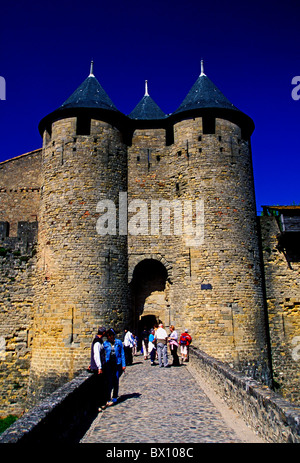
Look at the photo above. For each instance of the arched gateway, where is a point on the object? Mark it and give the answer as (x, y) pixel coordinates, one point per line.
(150, 295)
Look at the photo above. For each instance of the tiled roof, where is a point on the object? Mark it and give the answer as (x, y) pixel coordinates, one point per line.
(147, 109)
(204, 94)
(89, 94)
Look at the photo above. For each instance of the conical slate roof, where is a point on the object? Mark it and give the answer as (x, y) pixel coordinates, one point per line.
(147, 109)
(204, 94)
(89, 94)
(88, 97)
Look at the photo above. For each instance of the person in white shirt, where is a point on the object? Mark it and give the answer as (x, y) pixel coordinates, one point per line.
(161, 337)
(96, 366)
(128, 346)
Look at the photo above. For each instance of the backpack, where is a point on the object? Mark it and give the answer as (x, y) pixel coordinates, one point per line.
(184, 339)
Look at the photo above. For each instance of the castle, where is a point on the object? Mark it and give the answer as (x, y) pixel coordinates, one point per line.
(125, 220)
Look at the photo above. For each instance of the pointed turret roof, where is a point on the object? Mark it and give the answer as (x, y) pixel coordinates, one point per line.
(147, 109)
(204, 94)
(90, 94)
(89, 97)
(205, 98)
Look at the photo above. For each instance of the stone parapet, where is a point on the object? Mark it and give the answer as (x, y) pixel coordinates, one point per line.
(58, 417)
(264, 411)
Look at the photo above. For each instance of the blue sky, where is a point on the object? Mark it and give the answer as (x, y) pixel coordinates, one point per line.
(250, 51)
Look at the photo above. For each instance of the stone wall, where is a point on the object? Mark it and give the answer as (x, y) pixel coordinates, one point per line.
(17, 282)
(282, 280)
(63, 417)
(267, 413)
(20, 183)
(20, 187)
(213, 287)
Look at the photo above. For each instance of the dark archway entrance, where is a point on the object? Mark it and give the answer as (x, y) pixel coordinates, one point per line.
(149, 294)
(148, 322)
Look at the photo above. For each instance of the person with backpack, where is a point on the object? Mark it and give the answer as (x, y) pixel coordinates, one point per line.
(185, 341)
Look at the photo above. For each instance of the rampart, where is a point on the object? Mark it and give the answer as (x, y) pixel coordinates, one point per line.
(60, 417)
(282, 282)
(20, 187)
(264, 411)
(66, 413)
(17, 278)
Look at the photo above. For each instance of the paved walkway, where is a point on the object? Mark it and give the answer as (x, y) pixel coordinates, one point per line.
(165, 405)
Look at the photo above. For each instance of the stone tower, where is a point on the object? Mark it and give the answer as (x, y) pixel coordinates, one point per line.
(200, 154)
(189, 251)
(81, 274)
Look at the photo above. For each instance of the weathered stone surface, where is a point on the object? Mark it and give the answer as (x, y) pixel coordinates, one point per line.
(283, 301)
(52, 302)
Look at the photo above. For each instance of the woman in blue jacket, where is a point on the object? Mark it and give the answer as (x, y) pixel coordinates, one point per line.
(114, 364)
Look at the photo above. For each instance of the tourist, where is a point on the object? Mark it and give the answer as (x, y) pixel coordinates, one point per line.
(128, 346)
(135, 344)
(151, 347)
(161, 337)
(173, 343)
(185, 341)
(145, 341)
(96, 366)
(114, 365)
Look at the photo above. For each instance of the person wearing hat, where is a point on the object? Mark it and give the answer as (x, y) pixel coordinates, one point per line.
(184, 341)
(115, 365)
(97, 366)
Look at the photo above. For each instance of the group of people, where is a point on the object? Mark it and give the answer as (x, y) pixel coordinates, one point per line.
(110, 357)
(157, 341)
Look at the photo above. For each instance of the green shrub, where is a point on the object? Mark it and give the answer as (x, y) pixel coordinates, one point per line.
(6, 422)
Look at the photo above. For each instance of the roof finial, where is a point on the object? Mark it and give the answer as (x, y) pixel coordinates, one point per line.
(92, 69)
(202, 69)
(146, 88)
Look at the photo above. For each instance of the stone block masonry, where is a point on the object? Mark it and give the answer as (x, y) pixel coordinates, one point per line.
(267, 413)
(81, 278)
(228, 319)
(20, 183)
(282, 280)
(17, 282)
(81, 275)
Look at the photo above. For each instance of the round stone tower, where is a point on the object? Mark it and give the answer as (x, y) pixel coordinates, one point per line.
(222, 299)
(82, 267)
(195, 167)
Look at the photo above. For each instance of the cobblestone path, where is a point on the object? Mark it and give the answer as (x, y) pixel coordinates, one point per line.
(162, 405)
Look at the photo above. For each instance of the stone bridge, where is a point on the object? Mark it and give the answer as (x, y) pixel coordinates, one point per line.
(203, 401)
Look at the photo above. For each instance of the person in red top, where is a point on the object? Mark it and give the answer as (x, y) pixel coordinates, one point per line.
(184, 341)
